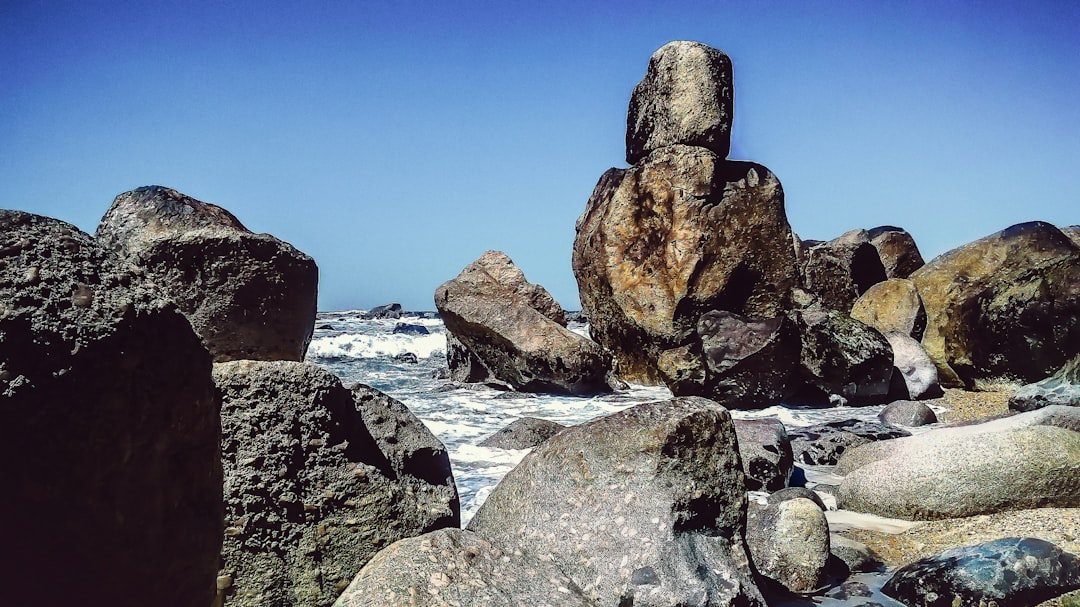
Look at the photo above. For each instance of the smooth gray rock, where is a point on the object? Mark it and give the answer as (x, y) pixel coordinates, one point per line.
(908, 413)
(1018, 572)
(111, 467)
(789, 543)
(1061, 388)
(247, 295)
(524, 433)
(686, 97)
(916, 368)
(645, 506)
(824, 444)
(311, 490)
(765, 451)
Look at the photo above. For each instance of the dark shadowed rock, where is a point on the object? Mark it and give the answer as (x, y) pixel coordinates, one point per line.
(1073, 232)
(317, 480)
(913, 364)
(111, 465)
(408, 329)
(892, 306)
(1018, 572)
(841, 270)
(512, 331)
(645, 506)
(765, 451)
(856, 556)
(899, 254)
(681, 233)
(789, 543)
(249, 296)
(1061, 388)
(1003, 309)
(390, 310)
(524, 433)
(686, 97)
(908, 413)
(823, 444)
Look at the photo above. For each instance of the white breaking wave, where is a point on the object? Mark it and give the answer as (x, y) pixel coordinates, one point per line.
(353, 345)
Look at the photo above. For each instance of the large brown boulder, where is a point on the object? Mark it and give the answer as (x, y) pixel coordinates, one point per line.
(1003, 309)
(249, 296)
(899, 254)
(892, 306)
(686, 97)
(681, 233)
(318, 478)
(643, 507)
(111, 465)
(510, 331)
(842, 269)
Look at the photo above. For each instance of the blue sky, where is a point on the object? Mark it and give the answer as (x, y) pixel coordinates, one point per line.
(396, 141)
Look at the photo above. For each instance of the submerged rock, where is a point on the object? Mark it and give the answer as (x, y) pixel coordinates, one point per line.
(111, 463)
(1061, 388)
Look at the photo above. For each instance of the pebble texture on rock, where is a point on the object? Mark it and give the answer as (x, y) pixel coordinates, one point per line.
(318, 479)
(686, 97)
(249, 296)
(643, 507)
(111, 465)
(789, 543)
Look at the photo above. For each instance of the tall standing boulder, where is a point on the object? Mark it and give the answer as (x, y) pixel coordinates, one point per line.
(511, 331)
(686, 97)
(111, 464)
(899, 254)
(318, 479)
(249, 296)
(1003, 309)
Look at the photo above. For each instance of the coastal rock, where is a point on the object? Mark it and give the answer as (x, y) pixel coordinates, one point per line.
(765, 451)
(524, 433)
(318, 479)
(645, 506)
(908, 413)
(1019, 572)
(458, 567)
(247, 295)
(390, 310)
(516, 331)
(686, 97)
(899, 254)
(823, 444)
(681, 233)
(856, 556)
(914, 365)
(789, 543)
(403, 328)
(892, 306)
(1073, 232)
(841, 270)
(111, 462)
(1061, 388)
(1003, 309)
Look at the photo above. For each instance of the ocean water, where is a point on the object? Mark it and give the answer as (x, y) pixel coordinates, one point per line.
(370, 352)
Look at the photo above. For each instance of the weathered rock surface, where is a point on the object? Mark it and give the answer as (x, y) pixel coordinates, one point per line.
(1061, 388)
(908, 413)
(765, 451)
(512, 331)
(681, 233)
(1003, 309)
(823, 444)
(686, 97)
(892, 306)
(644, 507)
(318, 479)
(856, 556)
(913, 364)
(789, 543)
(111, 462)
(524, 433)
(841, 270)
(1019, 572)
(899, 254)
(456, 567)
(247, 295)
(1073, 232)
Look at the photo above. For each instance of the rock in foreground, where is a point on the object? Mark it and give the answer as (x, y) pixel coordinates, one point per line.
(111, 463)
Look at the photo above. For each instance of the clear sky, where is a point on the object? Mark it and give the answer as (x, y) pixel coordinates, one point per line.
(395, 141)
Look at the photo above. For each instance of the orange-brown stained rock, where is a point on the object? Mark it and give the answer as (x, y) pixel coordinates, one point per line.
(892, 306)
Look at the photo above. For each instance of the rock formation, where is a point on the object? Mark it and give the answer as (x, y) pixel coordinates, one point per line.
(524, 433)
(913, 365)
(908, 413)
(892, 306)
(111, 462)
(841, 270)
(789, 543)
(899, 254)
(508, 330)
(248, 296)
(1061, 388)
(765, 451)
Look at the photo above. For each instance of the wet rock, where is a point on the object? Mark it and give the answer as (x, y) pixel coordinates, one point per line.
(897, 249)
(892, 306)
(408, 329)
(512, 331)
(765, 451)
(247, 295)
(1019, 572)
(1062, 388)
(111, 462)
(856, 556)
(841, 270)
(913, 364)
(789, 543)
(908, 413)
(407, 357)
(524, 433)
(645, 506)
(390, 310)
(686, 97)
(823, 444)
(1003, 309)
(318, 479)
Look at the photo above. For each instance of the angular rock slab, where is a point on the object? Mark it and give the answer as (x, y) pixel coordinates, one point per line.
(1061, 388)
(318, 479)
(111, 463)
(681, 233)
(1014, 571)
(457, 567)
(512, 331)
(686, 97)
(645, 506)
(1003, 309)
(824, 444)
(765, 451)
(892, 306)
(249, 296)
(789, 543)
